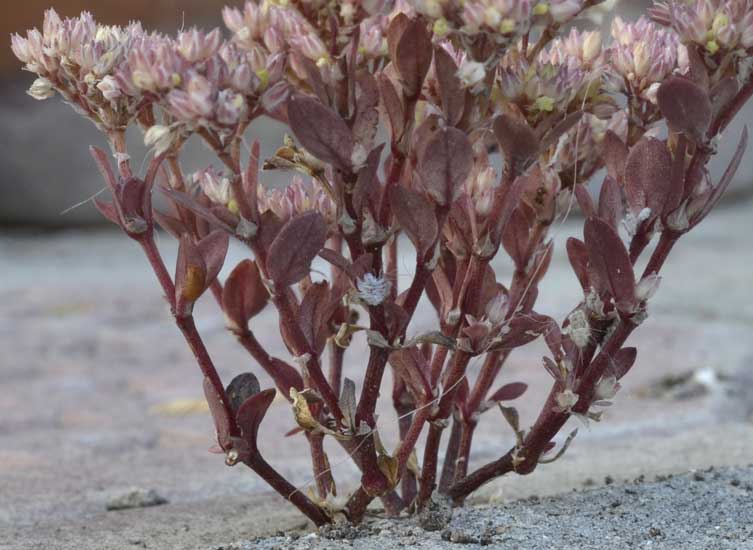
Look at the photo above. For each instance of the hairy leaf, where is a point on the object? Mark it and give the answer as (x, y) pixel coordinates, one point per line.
(647, 175)
(615, 155)
(244, 295)
(517, 140)
(578, 256)
(412, 54)
(451, 90)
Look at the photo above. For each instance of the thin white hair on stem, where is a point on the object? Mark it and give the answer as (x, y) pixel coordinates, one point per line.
(83, 202)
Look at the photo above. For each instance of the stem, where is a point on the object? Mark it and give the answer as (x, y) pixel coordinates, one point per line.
(287, 490)
(325, 483)
(429, 472)
(450, 456)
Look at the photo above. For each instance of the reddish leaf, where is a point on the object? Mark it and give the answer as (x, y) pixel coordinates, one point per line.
(676, 189)
(611, 209)
(445, 164)
(244, 295)
(393, 106)
(610, 260)
(213, 249)
(723, 93)
(686, 107)
(367, 115)
(411, 366)
(171, 224)
(108, 210)
(585, 201)
(559, 130)
(416, 217)
(515, 238)
(516, 139)
(412, 54)
(523, 329)
(367, 187)
(313, 315)
(251, 413)
(222, 424)
(451, 90)
(294, 248)
(621, 362)
(285, 376)
(578, 256)
(508, 392)
(647, 176)
(354, 270)
(190, 203)
(615, 155)
(321, 131)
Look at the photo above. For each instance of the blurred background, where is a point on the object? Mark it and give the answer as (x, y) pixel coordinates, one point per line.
(99, 393)
(43, 145)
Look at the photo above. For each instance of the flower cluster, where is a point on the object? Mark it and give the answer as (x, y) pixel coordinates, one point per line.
(643, 54)
(715, 25)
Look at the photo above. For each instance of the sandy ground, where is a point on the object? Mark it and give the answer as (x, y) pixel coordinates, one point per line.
(99, 394)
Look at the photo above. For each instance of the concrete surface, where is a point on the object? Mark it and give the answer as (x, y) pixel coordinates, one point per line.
(99, 394)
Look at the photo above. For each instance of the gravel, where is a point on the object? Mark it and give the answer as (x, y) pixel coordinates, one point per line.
(699, 510)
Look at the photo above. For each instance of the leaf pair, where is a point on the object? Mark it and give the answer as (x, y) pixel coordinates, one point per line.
(444, 163)
(409, 44)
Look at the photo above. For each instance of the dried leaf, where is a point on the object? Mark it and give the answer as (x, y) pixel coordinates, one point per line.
(445, 164)
(390, 467)
(321, 131)
(294, 248)
(415, 214)
(190, 275)
(609, 257)
(348, 403)
(686, 107)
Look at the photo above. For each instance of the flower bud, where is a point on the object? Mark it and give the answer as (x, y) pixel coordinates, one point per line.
(41, 89)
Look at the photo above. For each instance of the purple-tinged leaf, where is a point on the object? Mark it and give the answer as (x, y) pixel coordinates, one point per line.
(559, 130)
(578, 256)
(697, 70)
(615, 155)
(251, 413)
(294, 248)
(721, 94)
(676, 189)
(412, 54)
(104, 167)
(321, 131)
(354, 270)
(244, 295)
(523, 329)
(585, 202)
(621, 362)
(451, 90)
(285, 376)
(269, 227)
(182, 199)
(241, 388)
(393, 106)
(313, 77)
(508, 392)
(217, 408)
(367, 114)
(445, 164)
(171, 224)
(686, 107)
(517, 140)
(108, 210)
(213, 249)
(367, 187)
(609, 258)
(647, 173)
(314, 313)
(416, 216)
(611, 208)
(515, 238)
(721, 187)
